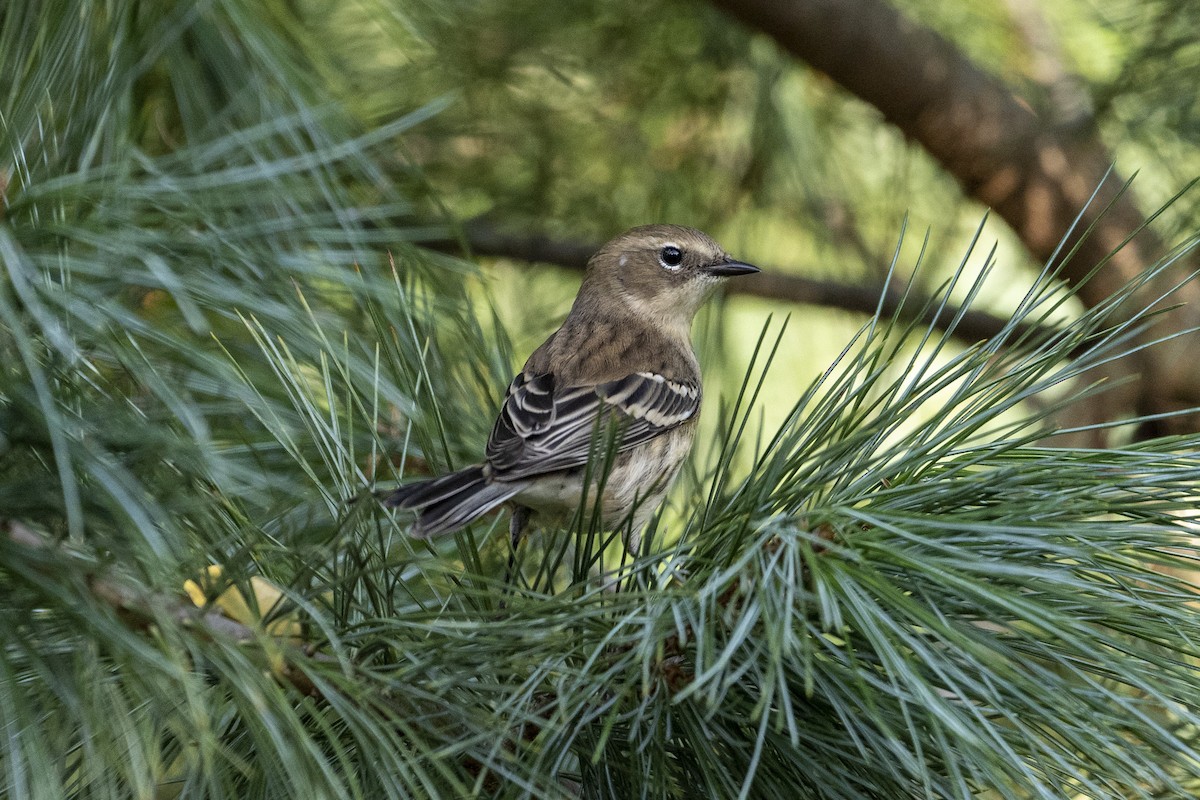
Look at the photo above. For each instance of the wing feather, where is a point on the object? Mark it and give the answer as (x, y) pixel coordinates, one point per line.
(544, 427)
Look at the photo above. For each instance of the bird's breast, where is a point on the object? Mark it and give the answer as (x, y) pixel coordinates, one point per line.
(636, 483)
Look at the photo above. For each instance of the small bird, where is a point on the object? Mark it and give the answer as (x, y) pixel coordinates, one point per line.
(622, 362)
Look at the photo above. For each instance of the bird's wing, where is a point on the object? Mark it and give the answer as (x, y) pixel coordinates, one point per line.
(544, 427)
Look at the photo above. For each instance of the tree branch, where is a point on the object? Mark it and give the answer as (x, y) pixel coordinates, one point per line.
(142, 609)
(1038, 176)
(484, 239)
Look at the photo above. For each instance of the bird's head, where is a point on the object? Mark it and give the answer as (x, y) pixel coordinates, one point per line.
(662, 272)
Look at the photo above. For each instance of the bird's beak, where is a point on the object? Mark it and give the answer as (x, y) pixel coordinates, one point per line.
(730, 268)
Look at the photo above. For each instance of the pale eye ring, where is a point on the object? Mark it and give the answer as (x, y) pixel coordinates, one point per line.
(671, 257)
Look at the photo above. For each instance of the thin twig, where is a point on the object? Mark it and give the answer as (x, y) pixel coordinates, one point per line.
(142, 609)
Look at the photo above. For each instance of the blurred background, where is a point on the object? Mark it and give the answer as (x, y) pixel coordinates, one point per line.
(578, 124)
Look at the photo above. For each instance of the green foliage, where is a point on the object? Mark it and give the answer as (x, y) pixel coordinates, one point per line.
(204, 354)
(177, 197)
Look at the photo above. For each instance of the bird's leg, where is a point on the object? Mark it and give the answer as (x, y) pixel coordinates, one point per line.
(516, 529)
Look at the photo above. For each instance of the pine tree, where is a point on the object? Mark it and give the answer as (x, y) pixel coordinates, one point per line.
(207, 361)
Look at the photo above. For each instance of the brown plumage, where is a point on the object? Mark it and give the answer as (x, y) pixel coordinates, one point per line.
(623, 357)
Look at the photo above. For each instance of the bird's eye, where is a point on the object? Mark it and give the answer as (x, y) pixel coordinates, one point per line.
(670, 256)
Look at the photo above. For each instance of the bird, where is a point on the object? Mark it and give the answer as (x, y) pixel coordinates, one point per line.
(619, 376)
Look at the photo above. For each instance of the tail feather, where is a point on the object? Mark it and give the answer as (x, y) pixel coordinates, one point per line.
(448, 503)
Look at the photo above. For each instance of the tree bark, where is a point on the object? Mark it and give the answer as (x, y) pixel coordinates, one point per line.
(1037, 176)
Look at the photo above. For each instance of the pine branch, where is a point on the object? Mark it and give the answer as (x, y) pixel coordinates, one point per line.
(142, 610)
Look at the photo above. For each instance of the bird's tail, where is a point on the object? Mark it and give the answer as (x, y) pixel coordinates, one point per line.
(447, 503)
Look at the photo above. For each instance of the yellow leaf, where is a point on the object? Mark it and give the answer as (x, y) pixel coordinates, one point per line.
(233, 604)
